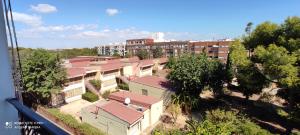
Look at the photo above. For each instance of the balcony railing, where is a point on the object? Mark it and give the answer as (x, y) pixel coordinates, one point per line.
(33, 124)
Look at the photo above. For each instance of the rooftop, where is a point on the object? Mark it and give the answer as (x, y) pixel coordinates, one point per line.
(137, 99)
(153, 81)
(75, 72)
(121, 111)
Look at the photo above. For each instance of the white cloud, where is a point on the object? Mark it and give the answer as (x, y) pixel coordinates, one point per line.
(112, 11)
(43, 8)
(32, 20)
(61, 28)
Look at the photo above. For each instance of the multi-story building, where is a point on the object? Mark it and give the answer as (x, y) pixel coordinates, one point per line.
(109, 50)
(215, 49)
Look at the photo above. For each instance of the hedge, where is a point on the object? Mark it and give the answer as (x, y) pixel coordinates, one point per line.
(123, 86)
(106, 94)
(82, 128)
(89, 96)
(96, 83)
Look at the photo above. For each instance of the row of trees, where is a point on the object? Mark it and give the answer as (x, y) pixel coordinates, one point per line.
(144, 54)
(70, 53)
(273, 57)
(268, 54)
(218, 122)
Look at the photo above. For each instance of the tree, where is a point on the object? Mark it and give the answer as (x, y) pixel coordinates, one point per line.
(157, 52)
(190, 74)
(42, 74)
(250, 80)
(116, 54)
(238, 55)
(171, 62)
(142, 54)
(263, 34)
(248, 28)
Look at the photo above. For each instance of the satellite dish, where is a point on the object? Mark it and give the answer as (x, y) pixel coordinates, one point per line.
(127, 101)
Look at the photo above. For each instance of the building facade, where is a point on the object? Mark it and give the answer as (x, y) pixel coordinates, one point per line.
(110, 50)
(214, 49)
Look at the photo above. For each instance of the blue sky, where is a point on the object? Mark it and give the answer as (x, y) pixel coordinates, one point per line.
(79, 23)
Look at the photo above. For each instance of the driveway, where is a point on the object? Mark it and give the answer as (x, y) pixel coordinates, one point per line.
(74, 108)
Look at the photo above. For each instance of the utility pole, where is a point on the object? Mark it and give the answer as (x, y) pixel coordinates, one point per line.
(8, 114)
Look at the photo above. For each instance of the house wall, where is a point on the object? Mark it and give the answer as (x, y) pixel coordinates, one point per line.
(108, 81)
(145, 72)
(127, 70)
(146, 120)
(165, 95)
(105, 121)
(156, 111)
(74, 88)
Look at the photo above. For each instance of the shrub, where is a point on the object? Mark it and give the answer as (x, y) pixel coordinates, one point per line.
(89, 96)
(83, 128)
(123, 86)
(105, 94)
(96, 83)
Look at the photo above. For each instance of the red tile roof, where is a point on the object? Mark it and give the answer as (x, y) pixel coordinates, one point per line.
(111, 66)
(153, 81)
(80, 64)
(121, 111)
(145, 63)
(162, 60)
(81, 59)
(136, 99)
(75, 72)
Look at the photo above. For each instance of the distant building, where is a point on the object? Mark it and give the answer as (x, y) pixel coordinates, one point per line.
(110, 50)
(215, 49)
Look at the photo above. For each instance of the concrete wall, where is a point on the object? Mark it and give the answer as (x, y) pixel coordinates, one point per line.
(165, 95)
(156, 111)
(105, 121)
(127, 70)
(146, 120)
(72, 87)
(146, 72)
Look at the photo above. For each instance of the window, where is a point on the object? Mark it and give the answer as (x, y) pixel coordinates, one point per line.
(144, 92)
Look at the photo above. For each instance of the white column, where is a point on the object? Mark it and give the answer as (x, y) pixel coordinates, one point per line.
(7, 112)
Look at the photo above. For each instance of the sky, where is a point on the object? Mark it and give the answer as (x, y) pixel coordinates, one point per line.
(55, 24)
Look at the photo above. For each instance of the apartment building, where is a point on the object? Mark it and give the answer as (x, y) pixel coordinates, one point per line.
(110, 50)
(215, 49)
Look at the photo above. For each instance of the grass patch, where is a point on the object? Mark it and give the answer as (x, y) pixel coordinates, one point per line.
(82, 128)
(89, 96)
(96, 83)
(106, 94)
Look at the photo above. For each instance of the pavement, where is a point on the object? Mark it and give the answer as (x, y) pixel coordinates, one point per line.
(74, 108)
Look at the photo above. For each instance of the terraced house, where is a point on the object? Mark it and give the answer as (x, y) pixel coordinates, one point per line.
(125, 113)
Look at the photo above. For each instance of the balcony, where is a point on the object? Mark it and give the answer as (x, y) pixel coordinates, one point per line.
(32, 123)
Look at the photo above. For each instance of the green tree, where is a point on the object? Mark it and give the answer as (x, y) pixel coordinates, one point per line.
(42, 74)
(248, 28)
(238, 55)
(263, 34)
(116, 54)
(290, 34)
(171, 62)
(250, 80)
(190, 74)
(157, 52)
(142, 54)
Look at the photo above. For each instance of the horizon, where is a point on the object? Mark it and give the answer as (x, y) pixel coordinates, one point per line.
(59, 24)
